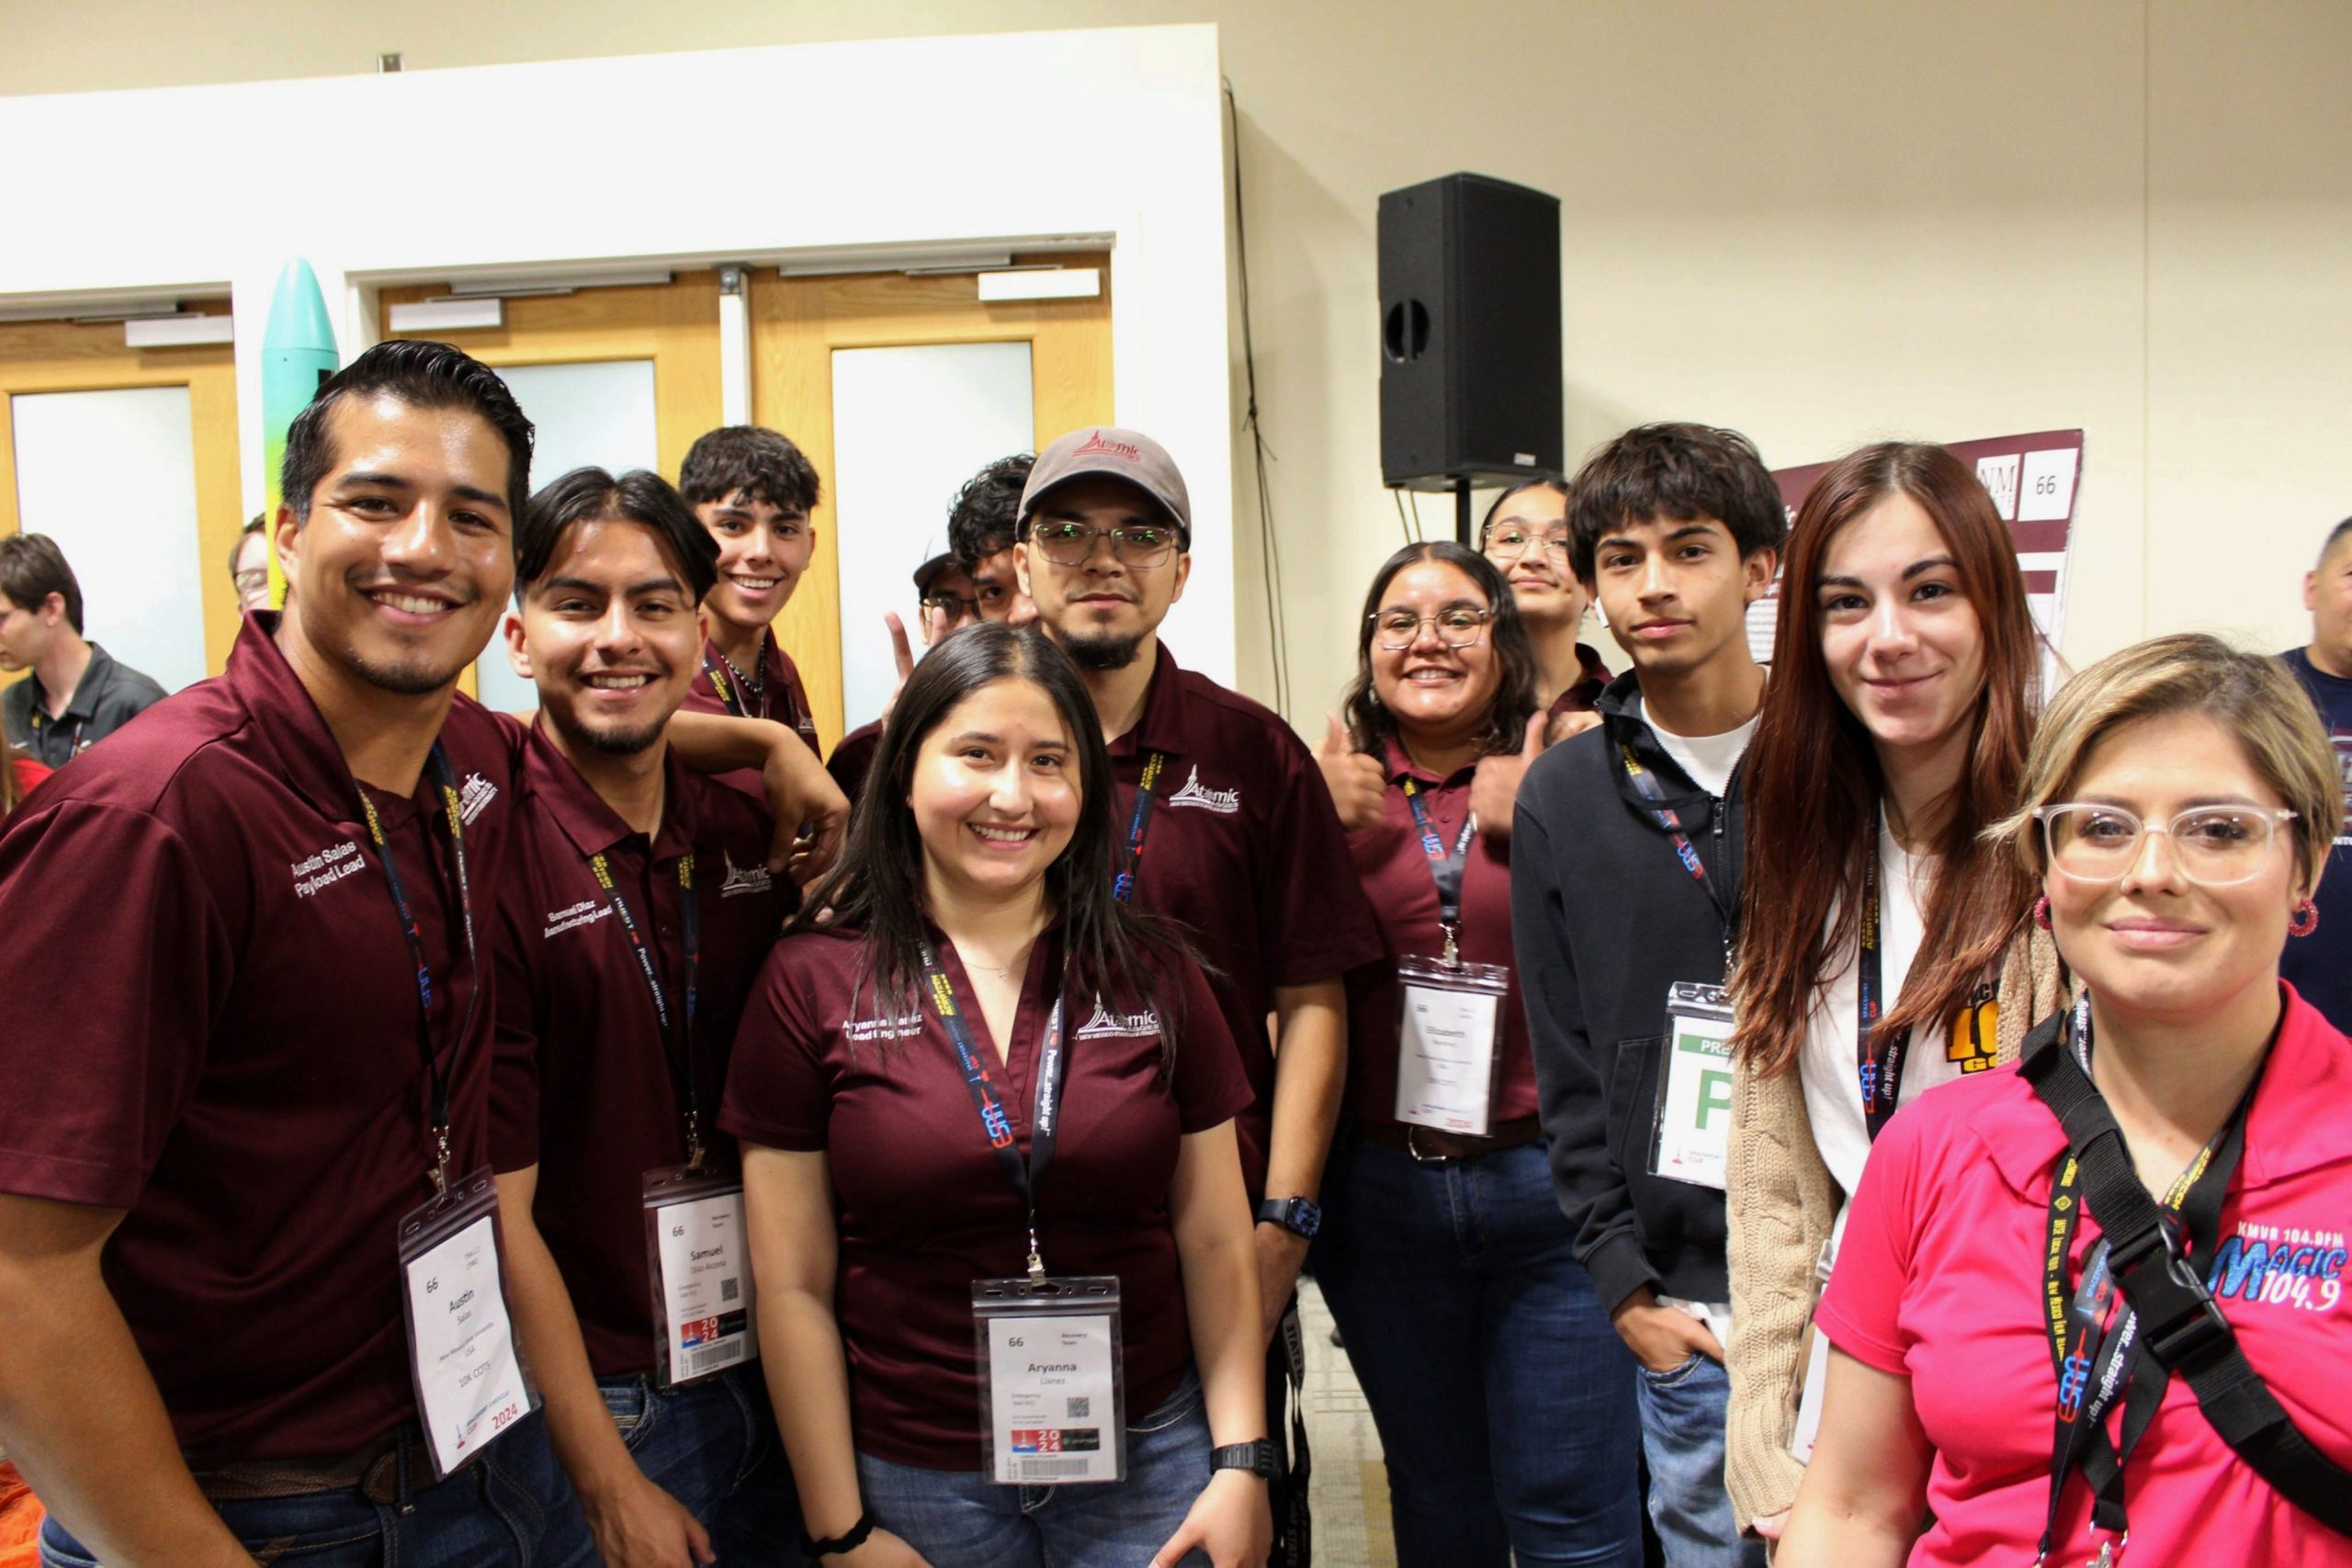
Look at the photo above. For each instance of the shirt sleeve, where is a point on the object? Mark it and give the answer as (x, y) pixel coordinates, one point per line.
(1210, 1085)
(112, 904)
(1861, 1309)
(1311, 904)
(779, 1090)
(514, 1057)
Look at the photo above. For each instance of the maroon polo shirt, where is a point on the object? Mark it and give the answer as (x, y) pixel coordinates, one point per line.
(1396, 880)
(782, 698)
(1583, 692)
(921, 1206)
(239, 1068)
(584, 1085)
(853, 759)
(1243, 849)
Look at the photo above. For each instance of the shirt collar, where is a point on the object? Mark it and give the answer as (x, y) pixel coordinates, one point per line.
(287, 724)
(1401, 766)
(96, 676)
(581, 815)
(1592, 678)
(1161, 727)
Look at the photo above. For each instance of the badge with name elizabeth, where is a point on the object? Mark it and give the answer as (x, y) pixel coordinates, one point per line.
(1449, 1044)
(701, 1269)
(1692, 1136)
(1053, 1392)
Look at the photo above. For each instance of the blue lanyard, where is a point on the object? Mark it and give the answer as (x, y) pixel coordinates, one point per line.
(1124, 887)
(1445, 867)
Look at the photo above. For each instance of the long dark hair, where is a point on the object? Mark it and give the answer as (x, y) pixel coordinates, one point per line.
(877, 887)
(1813, 785)
(1370, 725)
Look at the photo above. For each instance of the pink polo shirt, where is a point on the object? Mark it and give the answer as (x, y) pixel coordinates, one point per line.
(1939, 1280)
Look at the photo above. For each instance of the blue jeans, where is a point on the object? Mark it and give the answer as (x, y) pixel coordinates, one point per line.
(961, 1518)
(1504, 1399)
(713, 1446)
(1683, 1414)
(510, 1508)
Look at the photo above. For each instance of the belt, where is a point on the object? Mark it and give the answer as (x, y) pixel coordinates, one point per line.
(1429, 1146)
(385, 1471)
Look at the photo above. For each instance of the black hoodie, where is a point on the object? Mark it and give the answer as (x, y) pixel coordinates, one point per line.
(1604, 917)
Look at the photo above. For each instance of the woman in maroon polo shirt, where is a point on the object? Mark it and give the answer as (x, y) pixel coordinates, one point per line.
(1504, 1399)
(895, 1090)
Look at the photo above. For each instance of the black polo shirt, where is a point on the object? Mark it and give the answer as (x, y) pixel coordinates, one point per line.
(109, 696)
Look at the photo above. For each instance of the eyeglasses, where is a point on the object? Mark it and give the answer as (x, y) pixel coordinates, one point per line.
(1510, 542)
(954, 606)
(2215, 846)
(1072, 543)
(247, 581)
(1458, 625)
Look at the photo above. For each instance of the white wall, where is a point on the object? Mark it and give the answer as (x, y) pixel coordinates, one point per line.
(712, 156)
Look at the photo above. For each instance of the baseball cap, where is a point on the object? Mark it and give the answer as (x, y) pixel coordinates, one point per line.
(1110, 452)
(931, 570)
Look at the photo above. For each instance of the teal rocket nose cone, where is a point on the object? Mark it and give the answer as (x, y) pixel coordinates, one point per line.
(298, 314)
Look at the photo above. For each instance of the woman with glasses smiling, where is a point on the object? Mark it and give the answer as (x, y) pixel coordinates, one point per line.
(1504, 1398)
(2099, 1300)
(1525, 536)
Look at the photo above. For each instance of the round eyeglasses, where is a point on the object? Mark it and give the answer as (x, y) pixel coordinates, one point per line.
(2215, 846)
(1458, 625)
(1510, 542)
(1072, 543)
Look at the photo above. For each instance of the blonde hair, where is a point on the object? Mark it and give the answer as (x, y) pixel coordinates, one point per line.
(2252, 695)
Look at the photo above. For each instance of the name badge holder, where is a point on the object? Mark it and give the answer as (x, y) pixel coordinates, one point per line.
(1691, 1132)
(1449, 1044)
(1053, 1383)
(698, 1258)
(465, 1366)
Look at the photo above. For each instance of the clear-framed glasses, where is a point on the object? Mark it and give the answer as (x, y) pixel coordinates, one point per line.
(2215, 846)
(1509, 541)
(252, 581)
(954, 606)
(1135, 544)
(1458, 625)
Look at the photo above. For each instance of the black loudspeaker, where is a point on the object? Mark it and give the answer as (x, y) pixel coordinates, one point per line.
(1470, 331)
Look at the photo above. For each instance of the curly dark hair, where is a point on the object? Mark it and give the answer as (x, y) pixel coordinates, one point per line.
(987, 511)
(761, 463)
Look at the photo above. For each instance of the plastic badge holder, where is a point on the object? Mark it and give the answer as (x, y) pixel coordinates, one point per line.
(698, 1263)
(466, 1366)
(1691, 1130)
(1053, 1379)
(1449, 1044)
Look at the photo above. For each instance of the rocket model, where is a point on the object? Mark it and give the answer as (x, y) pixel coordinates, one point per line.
(297, 353)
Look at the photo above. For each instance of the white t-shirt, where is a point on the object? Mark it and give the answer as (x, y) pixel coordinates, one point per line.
(1708, 758)
(1827, 1068)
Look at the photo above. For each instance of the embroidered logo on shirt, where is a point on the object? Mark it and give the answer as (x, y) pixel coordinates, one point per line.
(474, 796)
(1118, 1025)
(2281, 1266)
(586, 912)
(330, 865)
(1224, 802)
(743, 878)
(862, 1030)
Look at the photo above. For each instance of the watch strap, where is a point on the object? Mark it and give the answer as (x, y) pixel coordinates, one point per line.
(1257, 1457)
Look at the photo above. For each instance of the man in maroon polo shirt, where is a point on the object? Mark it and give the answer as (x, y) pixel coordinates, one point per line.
(1230, 828)
(753, 490)
(632, 926)
(205, 1159)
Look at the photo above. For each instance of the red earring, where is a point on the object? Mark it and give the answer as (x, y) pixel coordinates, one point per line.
(2041, 911)
(2305, 920)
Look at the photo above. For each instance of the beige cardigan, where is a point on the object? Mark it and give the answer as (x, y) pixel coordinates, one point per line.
(1782, 1204)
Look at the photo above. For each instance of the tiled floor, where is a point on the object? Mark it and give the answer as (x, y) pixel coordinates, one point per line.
(1350, 1485)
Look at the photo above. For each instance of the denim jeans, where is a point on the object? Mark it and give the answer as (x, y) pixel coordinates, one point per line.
(713, 1446)
(1503, 1396)
(961, 1518)
(1683, 1414)
(510, 1508)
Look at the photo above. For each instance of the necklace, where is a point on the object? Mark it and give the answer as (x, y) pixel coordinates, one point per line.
(757, 687)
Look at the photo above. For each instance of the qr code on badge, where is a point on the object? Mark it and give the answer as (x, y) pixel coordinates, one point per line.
(730, 1290)
(1081, 1406)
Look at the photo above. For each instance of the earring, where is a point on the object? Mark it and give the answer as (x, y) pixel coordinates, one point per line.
(2305, 920)
(2041, 911)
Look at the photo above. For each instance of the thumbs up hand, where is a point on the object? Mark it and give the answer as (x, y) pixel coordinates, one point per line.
(1357, 786)
(1494, 788)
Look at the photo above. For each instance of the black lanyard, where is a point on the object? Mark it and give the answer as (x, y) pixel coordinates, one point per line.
(1684, 850)
(1025, 1175)
(445, 781)
(677, 1044)
(1123, 888)
(2094, 1364)
(1445, 868)
(1878, 1062)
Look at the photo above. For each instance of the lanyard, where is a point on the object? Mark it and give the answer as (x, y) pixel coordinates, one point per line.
(1123, 888)
(1023, 1174)
(2093, 1365)
(1684, 850)
(1445, 868)
(445, 781)
(678, 1044)
(1879, 1062)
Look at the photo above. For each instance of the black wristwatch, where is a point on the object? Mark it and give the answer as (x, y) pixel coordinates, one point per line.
(1257, 1457)
(1296, 1216)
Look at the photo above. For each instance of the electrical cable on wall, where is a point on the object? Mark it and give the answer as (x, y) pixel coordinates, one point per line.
(1396, 494)
(1277, 632)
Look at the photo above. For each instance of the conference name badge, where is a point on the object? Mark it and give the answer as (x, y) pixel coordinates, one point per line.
(1449, 1044)
(464, 1365)
(1692, 1136)
(1053, 1388)
(700, 1265)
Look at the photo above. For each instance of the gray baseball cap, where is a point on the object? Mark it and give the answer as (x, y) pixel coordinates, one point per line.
(1110, 453)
